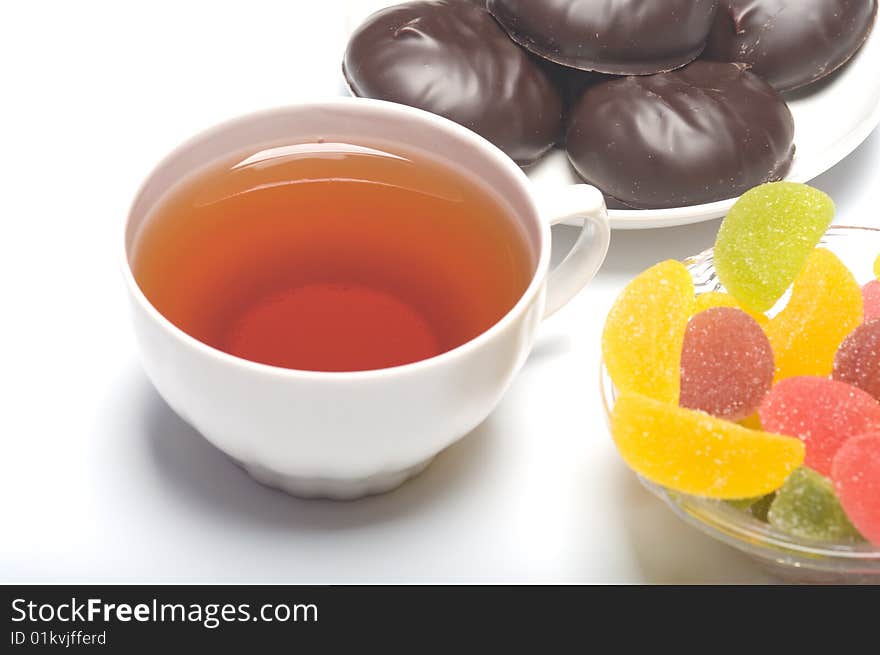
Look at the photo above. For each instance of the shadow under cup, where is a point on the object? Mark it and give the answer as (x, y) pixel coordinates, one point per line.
(340, 434)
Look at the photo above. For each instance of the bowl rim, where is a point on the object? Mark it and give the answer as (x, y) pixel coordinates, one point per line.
(735, 527)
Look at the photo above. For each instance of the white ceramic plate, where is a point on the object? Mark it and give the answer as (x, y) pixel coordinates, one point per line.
(831, 119)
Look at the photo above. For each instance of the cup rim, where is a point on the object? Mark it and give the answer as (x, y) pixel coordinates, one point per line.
(735, 527)
(432, 121)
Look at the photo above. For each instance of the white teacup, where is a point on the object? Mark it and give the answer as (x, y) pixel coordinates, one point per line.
(346, 435)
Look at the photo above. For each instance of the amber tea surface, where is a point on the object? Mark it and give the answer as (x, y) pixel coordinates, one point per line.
(331, 257)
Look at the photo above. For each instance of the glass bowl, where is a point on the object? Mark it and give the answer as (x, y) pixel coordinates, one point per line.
(789, 558)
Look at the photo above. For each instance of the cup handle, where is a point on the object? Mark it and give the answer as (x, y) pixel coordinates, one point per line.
(578, 202)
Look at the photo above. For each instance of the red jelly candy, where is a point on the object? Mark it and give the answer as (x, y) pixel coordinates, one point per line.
(857, 361)
(822, 413)
(856, 477)
(726, 364)
(871, 297)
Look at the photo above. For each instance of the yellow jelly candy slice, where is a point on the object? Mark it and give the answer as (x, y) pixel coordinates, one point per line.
(766, 238)
(698, 454)
(877, 268)
(720, 299)
(644, 332)
(825, 306)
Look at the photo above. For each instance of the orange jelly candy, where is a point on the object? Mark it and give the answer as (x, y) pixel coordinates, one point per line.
(825, 306)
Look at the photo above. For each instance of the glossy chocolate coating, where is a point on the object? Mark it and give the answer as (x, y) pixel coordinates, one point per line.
(450, 57)
(705, 132)
(621, 37)
(790, 43)
(572, 82)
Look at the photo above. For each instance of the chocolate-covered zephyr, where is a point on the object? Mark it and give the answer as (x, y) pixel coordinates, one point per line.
(621, 37)
(451, 57)
(705, 132)
(790, 43)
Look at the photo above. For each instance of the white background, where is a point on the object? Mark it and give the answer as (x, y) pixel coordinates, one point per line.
(101, 482)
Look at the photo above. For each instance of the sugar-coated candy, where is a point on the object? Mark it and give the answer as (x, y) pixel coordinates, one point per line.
(744, 504)
(825, 306)
(726, 364)
(823, 413)
(766, 239)
(757, 507)
(644, 331)
(856, 476)
(692, 452)
(761, 508)
(871, 299)
(721, 299)
(807, 507)
(752, 422)
(857, 362)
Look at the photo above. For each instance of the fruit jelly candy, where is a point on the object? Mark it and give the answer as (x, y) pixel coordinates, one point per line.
(856, 477)
(753, 422)
(858, 360)
(721, 299)
(644, 331)
(825, 306)
(757, 507)
(744, 504)
(766, 238)
(877, 267)
(807, 507)
(726, 364)
(762, 507)
(694, 453)
(871, 299)
(823, 413)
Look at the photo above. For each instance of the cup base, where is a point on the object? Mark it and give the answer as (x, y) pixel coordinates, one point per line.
(334, 488)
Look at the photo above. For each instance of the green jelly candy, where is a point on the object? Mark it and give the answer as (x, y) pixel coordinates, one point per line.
(744, 504)
(757, 507)
(766, 238)
(761, 509)
(807, 507)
